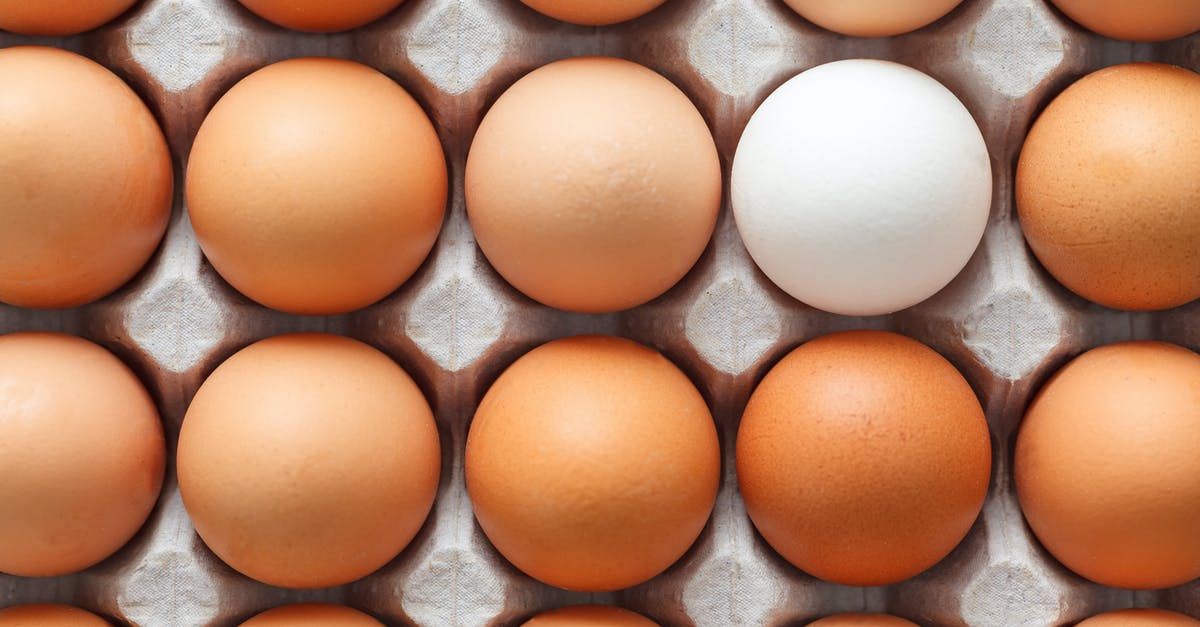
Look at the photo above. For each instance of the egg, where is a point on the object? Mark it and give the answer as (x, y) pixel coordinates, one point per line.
(593, 12)
(863, 457)
(861, 187)
(862, 620)
(321, 16)
(85, 179)
(1149, 20)
(316, 186)
(81, 451)
(312, 615)
(593, 185)
(54, 18)
(308, 460)
(1140, 618)
(872, 18)
(1107, 185)
(49, 615)
(592, 463)
(1107, 465)
(589, 616)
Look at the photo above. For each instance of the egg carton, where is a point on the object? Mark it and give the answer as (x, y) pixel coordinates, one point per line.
(456, 324)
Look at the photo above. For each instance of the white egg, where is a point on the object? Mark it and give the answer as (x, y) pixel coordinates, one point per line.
(861, 187)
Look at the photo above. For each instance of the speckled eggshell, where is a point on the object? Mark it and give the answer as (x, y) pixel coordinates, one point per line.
(862, 620)
(312, 615)
(1147, 20)
(56, 18)
(308, 460)
(335, 196)
(863, 457)
(1108, 184)
(593, 12)
(1107, 465)
(589, 616)
(1140, 618)
(872, 18)
(321, 16)
(593, 184)
(49, 615)
(81, 453)
(592, 463)
(85, 179)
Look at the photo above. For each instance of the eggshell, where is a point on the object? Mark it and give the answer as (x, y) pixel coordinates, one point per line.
(872, 18)
(593, 184)
(48, 615)
(85, 179)
(863, 457)
(1108, 183)
(308, 460)
(321, 16)
(593, 12)
(861, 187)
(592, 463)
(81, 453)
(334, 193)
(1107, 465)
(862, 620)
(1148, 20)
(312, 615)
(589, 616)
(1140, 618)
(58, 17)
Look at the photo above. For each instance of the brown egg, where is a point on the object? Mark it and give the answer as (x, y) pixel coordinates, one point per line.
(1108, 465)
(48, 615)
(862, 620)
(863, 457)
(85, 179)
(872, 18)
(593, 12)
(592, 463)
(1140, 618)
(312, 615)
(1108, 183)
(308, 460)
(337, 191)
(593, 185)
(589, 616)
(81, 453)
(58, 17)
(321, 16)
(1148, 20)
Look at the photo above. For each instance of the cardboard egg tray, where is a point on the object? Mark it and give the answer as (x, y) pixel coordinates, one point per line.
(456, 325)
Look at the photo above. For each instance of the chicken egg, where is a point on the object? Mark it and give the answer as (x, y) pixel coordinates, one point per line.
(872, 18)
(56, 18)
(862, 620)
(589, 616)
(1140, 618)
(593, 12)
(49, 615)
(312, 615)
(1147, 20)
(321, 16)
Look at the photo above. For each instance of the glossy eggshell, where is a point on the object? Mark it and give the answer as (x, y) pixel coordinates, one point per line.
(592, 463)
(593, 184)
(58, 17)
(589, 616)
(49, 615)
(316, 186)
(308, 460)
(1108, 183)
(872, 18)
(593, 12)
(321, 16)
(863, 457)
(85, 179)
(862, 620)
(312, 615)
(1140, 618)
(1107, 465)
(1148, 20)
(81, 452)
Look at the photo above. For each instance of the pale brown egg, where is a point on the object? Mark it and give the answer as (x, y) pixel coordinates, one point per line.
(862, 620)
(49, 615)
(593, 12)
(589, 616)
(1147, 20)
(872, 18)
(308, 460)
(1108, 183)
(1140, 618)
(85, 179)
(593, 185)
(58, 17)
(81, 452)
(316, 186)
(312, 615)
(592, 463)
(321, 16)
(863, 457)
(1107, 465)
